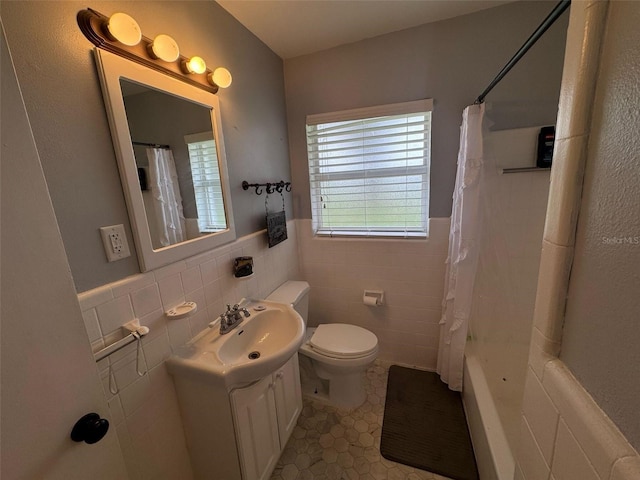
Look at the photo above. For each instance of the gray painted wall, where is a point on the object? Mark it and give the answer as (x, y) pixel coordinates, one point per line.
(601, 338)
(62, 94)
(451, 61)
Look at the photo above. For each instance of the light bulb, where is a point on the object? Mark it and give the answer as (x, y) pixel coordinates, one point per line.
(196, 65)
(124, 29)
(221, 77)
(165, 48)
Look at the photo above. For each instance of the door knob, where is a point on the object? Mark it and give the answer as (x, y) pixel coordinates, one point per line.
(90, 429)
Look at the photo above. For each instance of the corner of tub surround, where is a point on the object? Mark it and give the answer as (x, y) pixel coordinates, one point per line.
(565, 189)
(579, 78)
(596, 434)
(581, 63)
(601, 450)
(541, 351)
(551, 293)
(584, 38)
(627, 468)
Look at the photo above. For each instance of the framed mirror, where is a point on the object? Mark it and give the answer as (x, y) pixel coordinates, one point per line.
(168, 141)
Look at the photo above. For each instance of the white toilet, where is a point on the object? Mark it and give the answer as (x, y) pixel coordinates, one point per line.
(340, 353)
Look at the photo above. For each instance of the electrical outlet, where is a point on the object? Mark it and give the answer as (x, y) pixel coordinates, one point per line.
(115, 242)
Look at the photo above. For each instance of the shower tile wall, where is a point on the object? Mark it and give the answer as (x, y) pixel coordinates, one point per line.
(410, 272)
(145, 411)
(505, 288)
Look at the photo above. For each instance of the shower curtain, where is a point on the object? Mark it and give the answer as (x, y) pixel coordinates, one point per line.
(462, 260)
(167, 201)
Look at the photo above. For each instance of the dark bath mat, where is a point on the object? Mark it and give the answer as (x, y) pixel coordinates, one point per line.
(424, 425)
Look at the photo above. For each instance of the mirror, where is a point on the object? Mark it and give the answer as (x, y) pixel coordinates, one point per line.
(171, 158)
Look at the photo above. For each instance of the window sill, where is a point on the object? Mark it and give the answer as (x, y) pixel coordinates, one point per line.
(347, 234)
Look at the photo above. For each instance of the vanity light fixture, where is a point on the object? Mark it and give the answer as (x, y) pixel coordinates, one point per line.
(195, 65)
(124, 29)
(120, 34)
(220, 77)
(165, 48)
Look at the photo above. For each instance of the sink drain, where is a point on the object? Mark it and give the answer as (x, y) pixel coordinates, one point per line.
(254, 355)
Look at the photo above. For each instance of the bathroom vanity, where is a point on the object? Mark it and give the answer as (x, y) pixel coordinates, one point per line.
(239, 409)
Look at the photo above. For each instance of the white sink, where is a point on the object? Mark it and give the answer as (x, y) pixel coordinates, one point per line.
(257, 347)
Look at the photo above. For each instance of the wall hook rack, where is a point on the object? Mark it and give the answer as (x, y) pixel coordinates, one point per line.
(270, 187)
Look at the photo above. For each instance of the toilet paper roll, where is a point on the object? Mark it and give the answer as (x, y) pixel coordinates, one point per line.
(373, 301)
(370, 300)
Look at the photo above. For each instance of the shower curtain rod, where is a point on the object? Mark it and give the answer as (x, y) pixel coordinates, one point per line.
(154, 145)
(546, 23)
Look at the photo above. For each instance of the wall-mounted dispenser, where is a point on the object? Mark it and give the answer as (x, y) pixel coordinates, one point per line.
(243, 267)
(373, 298)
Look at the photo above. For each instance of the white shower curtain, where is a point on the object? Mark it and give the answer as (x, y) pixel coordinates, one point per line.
(463, 249)
(167, 201)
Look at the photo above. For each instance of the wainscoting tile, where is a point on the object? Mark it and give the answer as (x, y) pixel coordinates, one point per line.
(145, 411)
(171, 292)
(115, 409)
(627, 468)
(569, 460)
(90, 318)
(596, 434)
(156, 350)
(209, 271)
(191, 279)
(95, 297)
(541, 415)
(530, 457)
(132, 283)
(169, 270)
(146, 300)
(135, 395)
(115, 313)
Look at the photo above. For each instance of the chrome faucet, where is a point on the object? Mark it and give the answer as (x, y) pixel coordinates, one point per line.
(232, 318)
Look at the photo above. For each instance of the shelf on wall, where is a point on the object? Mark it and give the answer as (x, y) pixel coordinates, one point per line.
(526, 169)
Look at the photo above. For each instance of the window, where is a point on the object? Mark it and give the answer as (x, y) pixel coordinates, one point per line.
(205, 173)
(369, 170)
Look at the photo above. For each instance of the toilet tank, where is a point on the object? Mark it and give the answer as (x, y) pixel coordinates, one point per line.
(295, 293)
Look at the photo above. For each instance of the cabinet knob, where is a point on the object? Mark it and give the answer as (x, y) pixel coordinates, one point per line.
(90, 429)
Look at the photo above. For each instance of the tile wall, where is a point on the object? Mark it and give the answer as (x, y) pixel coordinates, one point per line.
(145, 411)
(513, 213)
(564, 434)
(411, 273)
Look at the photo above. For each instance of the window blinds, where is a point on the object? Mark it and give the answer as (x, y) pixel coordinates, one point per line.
(369, 175)
(206, 183)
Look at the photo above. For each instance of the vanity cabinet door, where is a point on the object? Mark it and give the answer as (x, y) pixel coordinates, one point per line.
(257, 429)
(288, 398)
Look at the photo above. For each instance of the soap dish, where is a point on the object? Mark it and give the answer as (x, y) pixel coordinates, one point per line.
(246, 277)
(183, 310)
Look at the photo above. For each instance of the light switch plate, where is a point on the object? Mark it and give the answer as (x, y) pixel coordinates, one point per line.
(115, 242)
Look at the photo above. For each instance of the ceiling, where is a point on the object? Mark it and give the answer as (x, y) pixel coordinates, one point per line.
(298, 27)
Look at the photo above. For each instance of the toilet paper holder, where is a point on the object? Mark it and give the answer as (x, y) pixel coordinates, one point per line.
(373, 298)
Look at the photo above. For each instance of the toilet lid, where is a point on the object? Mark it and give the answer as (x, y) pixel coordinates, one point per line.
(342, 340)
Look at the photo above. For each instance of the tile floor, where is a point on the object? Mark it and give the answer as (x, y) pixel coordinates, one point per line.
(336, 444)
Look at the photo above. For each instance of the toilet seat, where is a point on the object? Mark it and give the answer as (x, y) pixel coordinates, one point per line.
(340, 340)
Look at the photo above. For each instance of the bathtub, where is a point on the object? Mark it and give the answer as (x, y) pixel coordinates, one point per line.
(493, 453)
